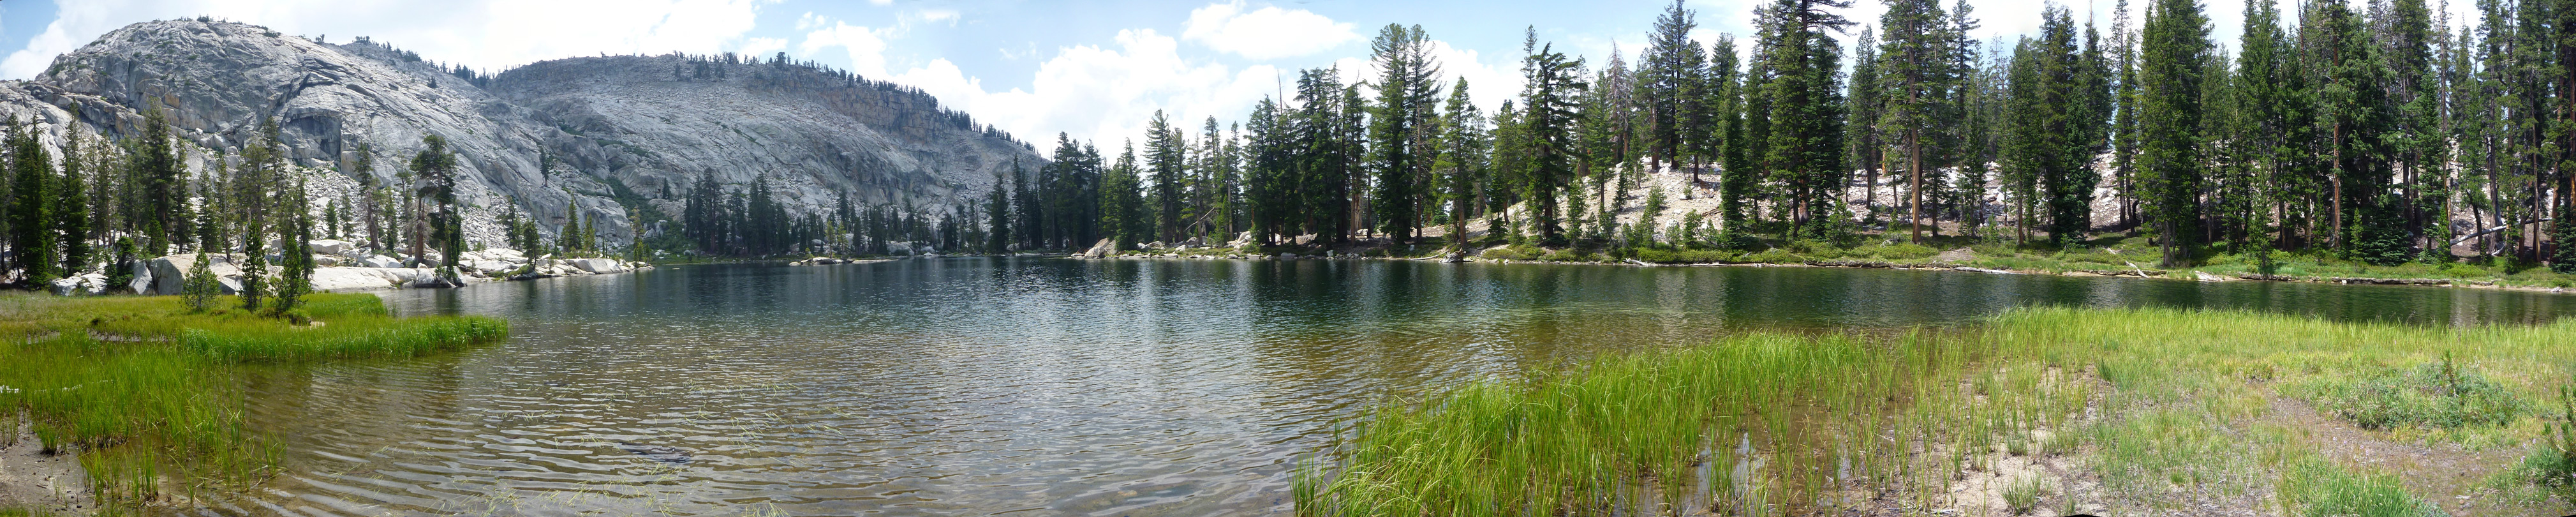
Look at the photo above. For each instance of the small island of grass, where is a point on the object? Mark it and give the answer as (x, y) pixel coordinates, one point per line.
(145, 391)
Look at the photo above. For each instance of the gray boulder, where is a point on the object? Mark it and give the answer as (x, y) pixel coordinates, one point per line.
(598, 265)
(142, 283)
(345, 279)
(170, 274)
(332, 246)
(1104, 248)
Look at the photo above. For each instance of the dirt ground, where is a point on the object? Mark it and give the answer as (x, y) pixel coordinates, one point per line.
(32, 479)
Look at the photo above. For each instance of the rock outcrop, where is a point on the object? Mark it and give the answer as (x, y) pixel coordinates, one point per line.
(616, 138)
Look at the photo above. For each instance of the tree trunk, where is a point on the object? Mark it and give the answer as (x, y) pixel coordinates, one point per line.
(1914, 187)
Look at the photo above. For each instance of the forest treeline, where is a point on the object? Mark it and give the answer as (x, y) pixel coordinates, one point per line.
(2377, 132)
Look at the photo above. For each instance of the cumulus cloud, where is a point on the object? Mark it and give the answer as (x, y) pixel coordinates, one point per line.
(486, 34)
(1265, 33)
(1103, 93)
(866, 46)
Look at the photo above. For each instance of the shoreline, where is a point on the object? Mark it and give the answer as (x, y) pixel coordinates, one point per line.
(2490, 283)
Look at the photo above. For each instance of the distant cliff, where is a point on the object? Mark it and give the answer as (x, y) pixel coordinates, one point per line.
(615, 135)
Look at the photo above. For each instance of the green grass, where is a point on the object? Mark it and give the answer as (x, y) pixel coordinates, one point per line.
(147, 389)
(2169, 409)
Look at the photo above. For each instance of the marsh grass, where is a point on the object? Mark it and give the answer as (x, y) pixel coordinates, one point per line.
(147, 389)
(2171, 410)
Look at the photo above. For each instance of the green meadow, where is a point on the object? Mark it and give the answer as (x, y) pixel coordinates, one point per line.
(2034, 412)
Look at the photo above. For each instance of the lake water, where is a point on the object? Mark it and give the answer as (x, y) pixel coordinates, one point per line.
(1047, 386)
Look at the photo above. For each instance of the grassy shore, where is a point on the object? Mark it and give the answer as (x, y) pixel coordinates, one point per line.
(2040, 412)
(146, 388)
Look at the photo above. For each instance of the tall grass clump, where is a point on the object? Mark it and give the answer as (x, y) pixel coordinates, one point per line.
(147, 388)
(1760, 423)
(2168, 408)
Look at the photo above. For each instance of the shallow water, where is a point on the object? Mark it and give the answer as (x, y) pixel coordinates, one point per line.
(1046, 386)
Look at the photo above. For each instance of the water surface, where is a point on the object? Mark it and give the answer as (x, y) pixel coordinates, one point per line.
(1047, 386)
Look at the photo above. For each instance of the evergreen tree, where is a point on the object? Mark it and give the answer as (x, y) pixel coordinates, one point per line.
(1461, 163)
(442, 224)
(165, 221)
(1122, 203)
(297, 253)
(1805, 144)
(31, 229)
(1667, 75)
(1551, 83)
(1865, 102)
(2173, 49)
(1401, 126)
(72, 202)
(1920, 87)
(201, 286)
(1163, 158)
(997, 213)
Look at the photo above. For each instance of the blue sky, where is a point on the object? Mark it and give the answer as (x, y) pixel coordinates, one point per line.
(1095, 69)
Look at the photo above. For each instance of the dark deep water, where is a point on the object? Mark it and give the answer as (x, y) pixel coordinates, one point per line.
(1046, 386)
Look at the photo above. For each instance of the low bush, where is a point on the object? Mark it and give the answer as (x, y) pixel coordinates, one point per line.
(2439, 395)
(1513, 252)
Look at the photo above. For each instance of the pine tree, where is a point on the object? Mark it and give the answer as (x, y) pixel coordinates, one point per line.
(436, 197)
(1865, 102)
(1670, 69)
(201, 286)
(1163, 158)
(2173, 49)
(1462, 163)
(1805, 145)
(72, 202)
(31, 226)
(1920, 85)
(165, 218)
(1551, 85)
(297, 253)
(1401, 126)
(997, 212)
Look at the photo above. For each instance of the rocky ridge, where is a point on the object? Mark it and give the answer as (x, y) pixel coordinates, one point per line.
(617, 138)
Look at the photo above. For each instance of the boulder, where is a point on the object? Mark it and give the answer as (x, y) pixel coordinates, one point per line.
(169, 274)
(344, 279)
(1287, 256)
(332, 246)
(598, 265)
(142, 283)
(86, 284)
(1105, 248)
(379, 261)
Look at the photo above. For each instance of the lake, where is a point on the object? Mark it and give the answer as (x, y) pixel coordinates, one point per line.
(1030, 386)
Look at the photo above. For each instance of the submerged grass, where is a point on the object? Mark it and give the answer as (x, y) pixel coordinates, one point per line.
(145, 388)
(2171, 411)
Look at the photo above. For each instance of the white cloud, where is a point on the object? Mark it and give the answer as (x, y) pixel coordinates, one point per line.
(757, 47)
(1266, 33)
(487, 34)
(866, 47)
(1103, 93)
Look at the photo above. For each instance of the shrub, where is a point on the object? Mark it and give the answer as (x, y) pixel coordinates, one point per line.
(1772, 256)
(1817, 249)
(2441, 395)
(1513, 252)
(1735, 241)
(1898, 251)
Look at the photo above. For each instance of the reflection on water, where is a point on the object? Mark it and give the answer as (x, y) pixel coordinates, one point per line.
(1045, 386)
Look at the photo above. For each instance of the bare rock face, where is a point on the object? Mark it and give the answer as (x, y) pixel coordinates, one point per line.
(618, 138)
